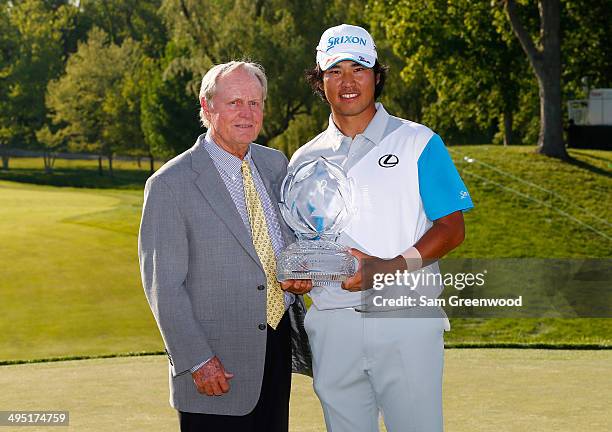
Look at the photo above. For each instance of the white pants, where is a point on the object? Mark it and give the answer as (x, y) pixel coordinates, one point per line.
(366, 365)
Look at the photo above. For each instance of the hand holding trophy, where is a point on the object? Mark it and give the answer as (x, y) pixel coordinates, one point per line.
(317, 203)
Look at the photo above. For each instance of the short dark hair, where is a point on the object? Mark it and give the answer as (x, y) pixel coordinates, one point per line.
(314, 77)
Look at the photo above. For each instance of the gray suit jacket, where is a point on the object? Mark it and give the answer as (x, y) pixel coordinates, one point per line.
(201, 275)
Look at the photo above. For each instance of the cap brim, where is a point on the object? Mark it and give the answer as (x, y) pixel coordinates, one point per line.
(326, 61)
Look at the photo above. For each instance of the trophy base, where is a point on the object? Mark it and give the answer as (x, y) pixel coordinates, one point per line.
(322, 261)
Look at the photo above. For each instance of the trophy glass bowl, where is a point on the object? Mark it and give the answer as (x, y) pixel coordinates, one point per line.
(317, 203)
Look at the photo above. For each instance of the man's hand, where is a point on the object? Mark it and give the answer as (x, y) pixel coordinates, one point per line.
(212, 379)
(369, 265)
(354, 282)
(297, 286)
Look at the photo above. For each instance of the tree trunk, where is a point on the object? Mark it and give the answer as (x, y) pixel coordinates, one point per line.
(4, 154)
(151, 164)
(49, 159)
(110, 165)
(100, 172)
(550, 139)
(138, 161)
(546, 63)
(507, 127)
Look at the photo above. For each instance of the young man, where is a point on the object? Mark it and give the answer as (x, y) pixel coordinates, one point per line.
(410, 200)
(208, 242)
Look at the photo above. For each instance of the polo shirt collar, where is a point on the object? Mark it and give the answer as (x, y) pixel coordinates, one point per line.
(374, 132)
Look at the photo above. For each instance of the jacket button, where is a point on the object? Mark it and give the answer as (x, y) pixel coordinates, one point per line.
(262, 326)
(261, 287)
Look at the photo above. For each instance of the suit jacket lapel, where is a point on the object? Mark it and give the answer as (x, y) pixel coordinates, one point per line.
(213, 188)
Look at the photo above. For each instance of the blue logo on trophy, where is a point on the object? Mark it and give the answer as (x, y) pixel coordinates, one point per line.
(317, 203)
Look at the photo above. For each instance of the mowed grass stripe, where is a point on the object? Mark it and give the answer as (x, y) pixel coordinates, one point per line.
(484, 390)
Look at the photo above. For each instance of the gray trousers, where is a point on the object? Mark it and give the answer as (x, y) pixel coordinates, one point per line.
(364, 366)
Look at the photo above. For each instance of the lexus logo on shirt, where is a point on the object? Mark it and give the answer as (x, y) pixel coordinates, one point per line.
(388, 161)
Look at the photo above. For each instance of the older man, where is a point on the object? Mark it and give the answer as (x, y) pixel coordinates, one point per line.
(208, 241)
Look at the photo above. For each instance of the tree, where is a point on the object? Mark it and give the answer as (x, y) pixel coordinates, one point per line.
(587, 45)
(280, 35)
(34, 40)
(8, 48)
(95, 105)
(545, 59)
(472, 69)
(463, 74)
(169, 115)
(138, 20)
(52, 142)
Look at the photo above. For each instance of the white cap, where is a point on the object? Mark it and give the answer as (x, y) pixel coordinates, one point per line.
(346, 42)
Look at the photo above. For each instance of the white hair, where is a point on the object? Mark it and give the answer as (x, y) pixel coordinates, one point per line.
(208, 87)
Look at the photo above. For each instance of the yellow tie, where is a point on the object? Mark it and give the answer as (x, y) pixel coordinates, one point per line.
(275, 304)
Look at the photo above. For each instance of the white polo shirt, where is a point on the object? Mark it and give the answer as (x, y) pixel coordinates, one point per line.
(404, 179)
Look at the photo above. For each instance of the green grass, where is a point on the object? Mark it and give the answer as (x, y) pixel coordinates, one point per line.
(525, 390)
(519, 196)
(78, 173)
(70, 285)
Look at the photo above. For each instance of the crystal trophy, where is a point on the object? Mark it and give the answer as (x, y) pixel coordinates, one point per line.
(317, 203)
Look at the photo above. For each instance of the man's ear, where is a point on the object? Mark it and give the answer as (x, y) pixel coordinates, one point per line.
(204, 106)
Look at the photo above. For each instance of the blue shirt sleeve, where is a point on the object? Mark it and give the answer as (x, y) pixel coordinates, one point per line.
(442, 190)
